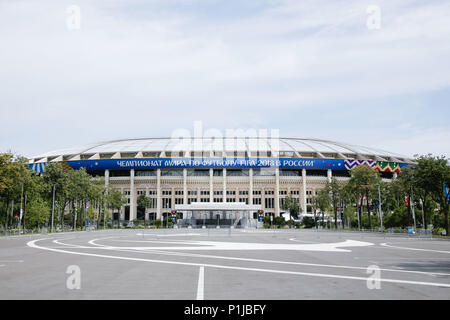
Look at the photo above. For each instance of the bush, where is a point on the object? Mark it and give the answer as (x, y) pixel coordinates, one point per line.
(156, 223)
(308, 222)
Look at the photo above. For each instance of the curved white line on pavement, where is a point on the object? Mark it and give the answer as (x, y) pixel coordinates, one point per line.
(193, 255)
(33, 244)
(415, 249)
(57, 241)
(240, 246)
(169, 235)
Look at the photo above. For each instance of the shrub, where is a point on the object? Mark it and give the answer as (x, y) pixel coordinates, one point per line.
(308, 222)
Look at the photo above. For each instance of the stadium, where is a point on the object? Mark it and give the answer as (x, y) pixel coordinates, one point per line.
(209, 178)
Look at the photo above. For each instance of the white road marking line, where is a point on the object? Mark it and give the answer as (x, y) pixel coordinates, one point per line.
(169, 235)
(201, 283)
(260, 260)
(296, 240)
(239, 246)
(415, 249)
(33, 244)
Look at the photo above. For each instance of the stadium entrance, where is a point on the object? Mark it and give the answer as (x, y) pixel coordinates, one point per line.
(218, 215)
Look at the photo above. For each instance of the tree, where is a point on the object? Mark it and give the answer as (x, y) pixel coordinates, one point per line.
(334, 190)
(144, 202)
(13, 173)
(432, 173)
(115, 200)
(322, 202)
(292, 205)
(362, 182)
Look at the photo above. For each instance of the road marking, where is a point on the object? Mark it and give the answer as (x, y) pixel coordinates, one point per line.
(296, 240)
(415, 249)
(100, 246)
(33, 244)
(201, 283)
(239, 246)
(169, 235)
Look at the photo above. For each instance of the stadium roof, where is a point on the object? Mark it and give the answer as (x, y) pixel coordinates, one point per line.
(218, 147)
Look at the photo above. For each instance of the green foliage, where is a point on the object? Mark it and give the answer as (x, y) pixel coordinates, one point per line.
(38, 213)
(308, 222)
(292, 206)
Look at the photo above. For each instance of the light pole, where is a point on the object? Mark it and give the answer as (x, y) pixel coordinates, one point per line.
(412, 207)
(379, 207)
(53, 206)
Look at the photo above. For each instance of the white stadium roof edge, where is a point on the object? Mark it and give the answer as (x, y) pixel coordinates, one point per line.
(219, 147)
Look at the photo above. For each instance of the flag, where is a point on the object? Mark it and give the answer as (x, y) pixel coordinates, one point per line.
(406, 201)
(447, 192)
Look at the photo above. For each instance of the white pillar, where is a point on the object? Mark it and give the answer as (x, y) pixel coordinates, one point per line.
(329, 175)
(304, 190)
(277, 192)
(250, 189)
(158, 194)
(132, 197)
(106, 178)
(211, 189)
(185, 195)
(224, 185)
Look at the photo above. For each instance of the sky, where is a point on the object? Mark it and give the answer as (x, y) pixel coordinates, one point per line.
(77, 72)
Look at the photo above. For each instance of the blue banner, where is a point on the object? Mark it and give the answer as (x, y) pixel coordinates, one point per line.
(205, 163)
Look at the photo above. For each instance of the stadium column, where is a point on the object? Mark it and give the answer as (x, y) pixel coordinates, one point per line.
(277, 192)
(158, 194)
(211, 193)
(132, 197)
(224, 185)
(329, 175)
(185, 197)
(106, 179)
(250, 189)
(304, 191)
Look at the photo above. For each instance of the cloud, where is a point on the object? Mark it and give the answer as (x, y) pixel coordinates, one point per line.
(139, 68)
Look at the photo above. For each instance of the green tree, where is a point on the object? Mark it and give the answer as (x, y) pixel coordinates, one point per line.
(115, 200)
(292, 205)
(362, 182)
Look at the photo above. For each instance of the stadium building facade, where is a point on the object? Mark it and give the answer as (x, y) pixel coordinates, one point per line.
(260, 172)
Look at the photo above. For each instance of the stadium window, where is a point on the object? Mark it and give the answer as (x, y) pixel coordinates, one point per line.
(256, 200)
(243, 200)
(269, 203)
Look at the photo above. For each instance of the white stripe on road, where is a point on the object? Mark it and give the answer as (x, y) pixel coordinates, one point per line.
(33, 244)
(415, 249)
(201, 283)
(106, 247)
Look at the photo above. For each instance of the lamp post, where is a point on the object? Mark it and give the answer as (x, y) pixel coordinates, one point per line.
(413, 207)
(53, 206)
(379, 207)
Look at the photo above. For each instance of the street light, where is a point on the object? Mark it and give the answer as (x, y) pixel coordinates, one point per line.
(379, 207)
(53, 206)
